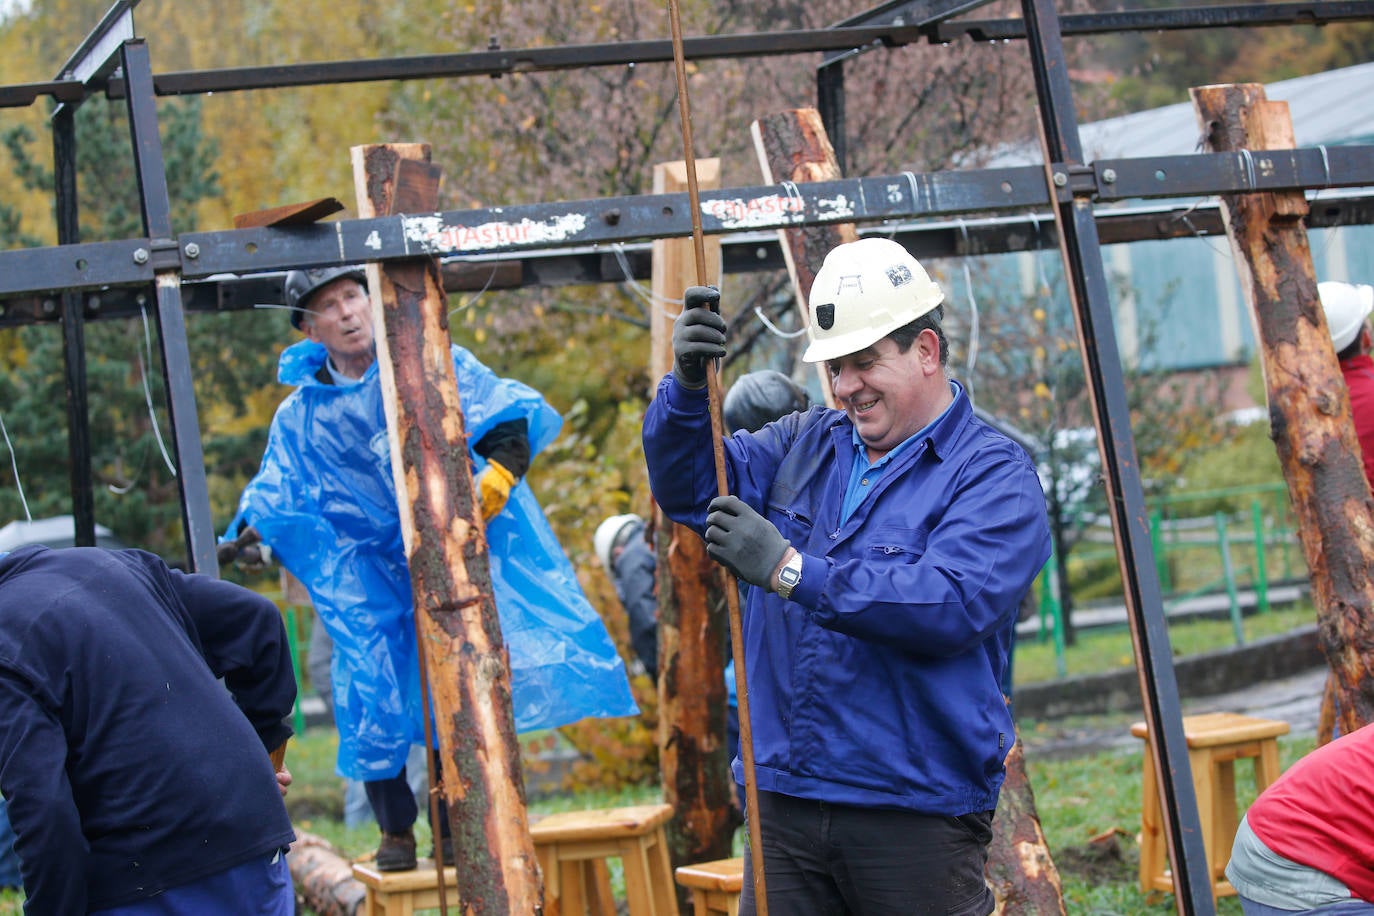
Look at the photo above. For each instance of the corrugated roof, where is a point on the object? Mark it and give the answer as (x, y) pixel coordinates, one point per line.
(1330, 108)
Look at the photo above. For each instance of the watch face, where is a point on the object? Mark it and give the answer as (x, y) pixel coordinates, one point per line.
(789, 576)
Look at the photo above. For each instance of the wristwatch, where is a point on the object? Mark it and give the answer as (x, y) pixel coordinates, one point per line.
(789, 576)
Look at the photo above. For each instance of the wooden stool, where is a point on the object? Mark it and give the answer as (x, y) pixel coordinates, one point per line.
(401, 893)
(1215, 742)
(715, 886)
(573, 847)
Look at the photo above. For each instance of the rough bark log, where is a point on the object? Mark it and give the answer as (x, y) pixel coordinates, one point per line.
(323, 877)
(693, 758)
(462, 650)
(793, 146)
(1309, 406)
(1020, 871)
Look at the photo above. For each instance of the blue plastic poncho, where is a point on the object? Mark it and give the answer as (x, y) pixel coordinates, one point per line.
(324, 500)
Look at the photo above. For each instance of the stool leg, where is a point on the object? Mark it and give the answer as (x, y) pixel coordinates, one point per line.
(661, 874)
(596, 876)
(572, 899)
(634, 855)
(1204, 775)
(1224, 819)
(553, 885)
(1152, 853)
(1267, 764)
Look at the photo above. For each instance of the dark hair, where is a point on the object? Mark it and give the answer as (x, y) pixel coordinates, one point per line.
(1353, 349)
(906, 335)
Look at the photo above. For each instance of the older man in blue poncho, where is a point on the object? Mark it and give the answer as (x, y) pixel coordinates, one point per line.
(324, 500)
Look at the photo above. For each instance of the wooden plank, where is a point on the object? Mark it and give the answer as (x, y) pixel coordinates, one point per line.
(693, 759)
(1309, 405)
(461, 647)
(793, 147)
(311, 211)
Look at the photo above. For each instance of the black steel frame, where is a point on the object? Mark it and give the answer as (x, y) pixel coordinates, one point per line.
(557, 243)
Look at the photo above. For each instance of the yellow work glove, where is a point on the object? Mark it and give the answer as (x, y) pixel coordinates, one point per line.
(493, 489)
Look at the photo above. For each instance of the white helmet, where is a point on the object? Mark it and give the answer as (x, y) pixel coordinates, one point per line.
(1346, 306)
(608, 532)
(864, 291)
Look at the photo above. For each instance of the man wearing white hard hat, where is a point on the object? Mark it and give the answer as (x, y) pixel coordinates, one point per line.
(1347, 308)
(891, 542)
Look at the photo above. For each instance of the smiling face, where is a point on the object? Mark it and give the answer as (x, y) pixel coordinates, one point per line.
(339, 318)
(890, 394)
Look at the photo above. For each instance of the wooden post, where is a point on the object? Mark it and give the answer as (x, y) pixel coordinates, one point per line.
(1019, 870)
(793, 146)
(1309, 406)
(460, 634)
(693, 758)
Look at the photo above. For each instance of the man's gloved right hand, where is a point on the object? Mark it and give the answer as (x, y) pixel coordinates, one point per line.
(698, 335)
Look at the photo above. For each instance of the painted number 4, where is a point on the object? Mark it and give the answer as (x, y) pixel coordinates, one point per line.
(373, 241)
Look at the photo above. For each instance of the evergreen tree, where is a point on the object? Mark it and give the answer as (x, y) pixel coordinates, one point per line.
(136, 491)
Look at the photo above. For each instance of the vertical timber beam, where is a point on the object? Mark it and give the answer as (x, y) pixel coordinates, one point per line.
(694, 762)
(793, 146)
(462, 650)
(1081, 251)
(171, 319)
(73, 332)
(1309, 405)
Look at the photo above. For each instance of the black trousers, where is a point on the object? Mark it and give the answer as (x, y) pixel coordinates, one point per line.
(394, 804)
(822, 859)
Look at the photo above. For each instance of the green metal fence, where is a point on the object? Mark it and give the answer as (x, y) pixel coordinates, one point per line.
(1208, 542)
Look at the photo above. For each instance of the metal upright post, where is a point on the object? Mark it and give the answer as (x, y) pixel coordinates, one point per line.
(166, 260)
(1073, 185)
(73, 331)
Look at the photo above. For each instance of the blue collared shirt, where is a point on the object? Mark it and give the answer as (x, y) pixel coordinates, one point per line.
(864, 475)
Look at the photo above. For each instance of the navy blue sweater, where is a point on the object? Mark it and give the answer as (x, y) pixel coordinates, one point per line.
(128, 767)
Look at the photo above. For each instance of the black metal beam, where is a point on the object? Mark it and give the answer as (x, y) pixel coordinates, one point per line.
(757, 44)
(748, 252)
(1091, 302)
(534, 227)
(1318, 12)
(830, 73)
(176, 356)
(73, 335)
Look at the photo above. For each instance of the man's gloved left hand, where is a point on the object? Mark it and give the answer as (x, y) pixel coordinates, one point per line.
(493, 489)
(743, 541)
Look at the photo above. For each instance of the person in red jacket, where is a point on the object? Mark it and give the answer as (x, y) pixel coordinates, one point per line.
(1307, 843)
(1347, 308)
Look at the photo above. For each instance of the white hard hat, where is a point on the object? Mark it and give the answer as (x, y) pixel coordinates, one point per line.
(864, 291)
(1347, 306)
(607, 533)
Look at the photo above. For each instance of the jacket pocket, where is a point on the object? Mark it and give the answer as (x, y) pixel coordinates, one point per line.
(900, 545)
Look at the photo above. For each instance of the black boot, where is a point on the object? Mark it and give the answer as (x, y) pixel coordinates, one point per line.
(397, 852)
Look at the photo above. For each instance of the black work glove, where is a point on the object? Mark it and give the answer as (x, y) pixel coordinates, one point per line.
(698, 335)
(743, 541)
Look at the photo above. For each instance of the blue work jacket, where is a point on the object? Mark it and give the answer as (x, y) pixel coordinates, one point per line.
(324, 500)
(878, 683)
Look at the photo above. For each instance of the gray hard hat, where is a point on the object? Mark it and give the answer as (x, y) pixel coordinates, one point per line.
(302, 284)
